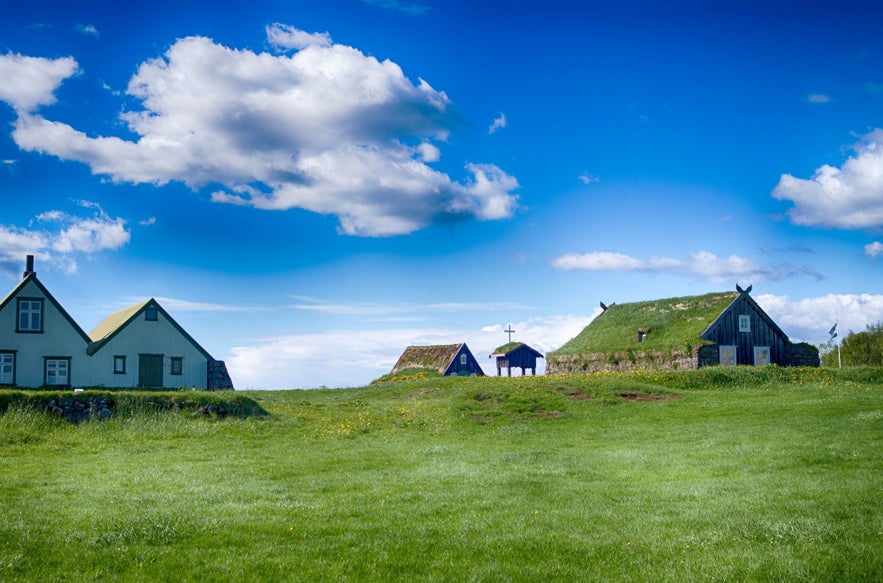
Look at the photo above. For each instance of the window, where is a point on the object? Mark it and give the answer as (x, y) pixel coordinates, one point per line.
(642, 334)
(728, 355)
(761, 355)
(7, 368)
(176, 365)
(744, 323)
(58, 371)
(30, 315)
(119, 364)
(150, 314)
(463, 359)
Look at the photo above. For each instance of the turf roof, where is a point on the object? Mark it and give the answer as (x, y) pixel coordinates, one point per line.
(670, 323)
(428, 357)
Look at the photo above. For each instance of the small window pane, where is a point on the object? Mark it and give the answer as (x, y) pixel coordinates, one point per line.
(177, 365)
(150, 314)
(119, 364)
(744, 323)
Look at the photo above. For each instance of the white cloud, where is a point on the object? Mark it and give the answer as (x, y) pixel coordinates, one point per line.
(313, 360)
(275, 131)
(818, 98)
(64, 237)
(874, 249)
(497, 124)
(287, 37)
(810, 319)
(850, 197)
(86, 235)
(29, 82)
(88, 30)
(147, 222)
(702, 264)
(587, 178)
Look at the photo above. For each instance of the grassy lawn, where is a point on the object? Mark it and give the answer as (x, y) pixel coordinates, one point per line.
(767, 475)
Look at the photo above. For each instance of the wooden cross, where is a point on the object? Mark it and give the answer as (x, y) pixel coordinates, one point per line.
(510, 332)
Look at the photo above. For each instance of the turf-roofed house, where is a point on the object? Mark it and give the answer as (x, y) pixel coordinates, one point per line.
(516, 355)
(140, 346)
(445, 359)
(681, 333)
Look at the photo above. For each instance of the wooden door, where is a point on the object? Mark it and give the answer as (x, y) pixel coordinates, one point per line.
(150, 370)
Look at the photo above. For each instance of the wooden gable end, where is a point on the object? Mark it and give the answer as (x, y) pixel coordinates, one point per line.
(463, 364)
(744, 326)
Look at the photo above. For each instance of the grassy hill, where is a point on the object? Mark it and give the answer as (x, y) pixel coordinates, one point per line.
(735, 474)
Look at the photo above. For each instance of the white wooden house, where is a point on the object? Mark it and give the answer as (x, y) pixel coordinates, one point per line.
(140, 346)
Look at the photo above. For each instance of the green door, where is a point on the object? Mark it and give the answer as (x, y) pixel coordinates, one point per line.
(150, 370)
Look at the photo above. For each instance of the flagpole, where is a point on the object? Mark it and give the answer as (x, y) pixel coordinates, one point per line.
(839, 362)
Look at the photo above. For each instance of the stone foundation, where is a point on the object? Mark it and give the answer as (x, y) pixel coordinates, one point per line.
(625, 360)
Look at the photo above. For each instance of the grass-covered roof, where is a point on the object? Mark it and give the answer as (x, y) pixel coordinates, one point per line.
(668, 323)
(427, 357)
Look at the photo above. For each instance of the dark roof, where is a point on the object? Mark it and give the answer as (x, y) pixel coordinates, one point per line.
(438, 357)
(669, 323)
(511, 347)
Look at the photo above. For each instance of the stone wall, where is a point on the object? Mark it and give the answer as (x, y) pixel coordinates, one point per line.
(625, 360)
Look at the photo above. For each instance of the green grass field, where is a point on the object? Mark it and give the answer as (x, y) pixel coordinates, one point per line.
(720, 475)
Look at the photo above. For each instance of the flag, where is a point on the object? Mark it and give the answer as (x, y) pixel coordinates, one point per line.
(833, 331)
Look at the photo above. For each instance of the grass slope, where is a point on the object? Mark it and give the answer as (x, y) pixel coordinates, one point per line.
(740, 474)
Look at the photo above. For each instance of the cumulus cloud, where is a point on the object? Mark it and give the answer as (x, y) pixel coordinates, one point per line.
(702, 264)
(326, 129)
(284, 36)
(312, 360)
(62, 239)
(29, 82)
(874, 249)
(849, 197)
(497, 124)
(809, 319)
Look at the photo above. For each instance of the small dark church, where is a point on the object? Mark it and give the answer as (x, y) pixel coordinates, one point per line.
(516, 355)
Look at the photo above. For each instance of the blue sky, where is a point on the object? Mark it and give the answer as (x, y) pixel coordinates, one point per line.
(310, 186)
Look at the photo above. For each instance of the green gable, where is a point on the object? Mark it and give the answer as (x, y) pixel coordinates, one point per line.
(670, 323)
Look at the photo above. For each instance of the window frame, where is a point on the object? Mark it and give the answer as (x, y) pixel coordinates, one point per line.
(464, 360)
(744, 323)
(179, 361)
(57, 359)
(768, 355)
(151, 314)
(119, 358)
(41, 316)
(728, 347)
(12, 354)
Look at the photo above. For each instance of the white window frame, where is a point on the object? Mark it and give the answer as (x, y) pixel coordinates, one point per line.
(58, 372)
(7, 368)
(30, 313)
(463, 360)
(176, 365)
(744, 323)
(762, 350)
(729, 361)
(119, 364)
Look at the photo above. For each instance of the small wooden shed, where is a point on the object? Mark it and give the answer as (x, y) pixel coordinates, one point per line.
(516, 355)
(447, 359)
